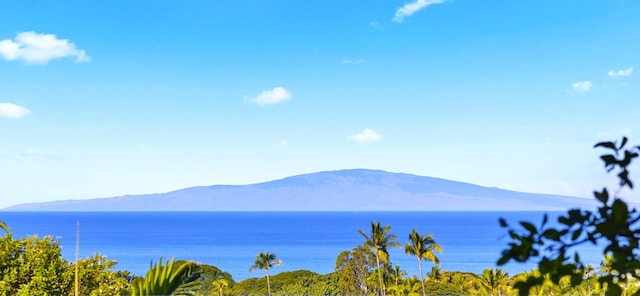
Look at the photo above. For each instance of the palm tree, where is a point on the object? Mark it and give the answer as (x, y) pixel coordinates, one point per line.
(380, 239)
(422, 247)
(398, 274)
(494, 281)
(606, 266)
(220, 284)
(265, 261)
(164, 279)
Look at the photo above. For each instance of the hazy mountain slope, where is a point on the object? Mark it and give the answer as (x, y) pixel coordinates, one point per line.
(345, 190)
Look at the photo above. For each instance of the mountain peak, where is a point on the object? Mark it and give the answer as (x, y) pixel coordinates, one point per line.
(340, 190)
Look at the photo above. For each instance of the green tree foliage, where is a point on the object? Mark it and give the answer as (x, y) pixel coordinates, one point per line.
(441, 282)
(299, 282)
(220, 285)
(306, 283)
(379, 239)
(424, 248)
(613, 225)
(210, 281)
(353, 268)
(494, 282)
(265, 261)
(164, 278)
(97, 279)
(34, 266)
(398, 274)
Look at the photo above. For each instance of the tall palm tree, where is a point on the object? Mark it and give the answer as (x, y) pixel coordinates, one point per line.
(265, 261)
(379, 240)
(423, 247)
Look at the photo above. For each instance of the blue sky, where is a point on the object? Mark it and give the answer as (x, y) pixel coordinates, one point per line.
(106, 98)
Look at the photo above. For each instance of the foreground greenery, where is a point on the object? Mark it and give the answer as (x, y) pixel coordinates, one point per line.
(34, 265)
(614, 224)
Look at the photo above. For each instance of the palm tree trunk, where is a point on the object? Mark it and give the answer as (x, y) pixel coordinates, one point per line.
(379, 273)
(421, 276)
(268, 284)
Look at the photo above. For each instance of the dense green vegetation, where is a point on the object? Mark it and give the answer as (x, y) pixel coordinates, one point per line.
(34, 265)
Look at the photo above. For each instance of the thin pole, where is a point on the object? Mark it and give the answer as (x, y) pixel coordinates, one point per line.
(77, 255)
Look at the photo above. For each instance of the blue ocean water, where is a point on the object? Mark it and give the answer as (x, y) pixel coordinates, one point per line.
(471, 241)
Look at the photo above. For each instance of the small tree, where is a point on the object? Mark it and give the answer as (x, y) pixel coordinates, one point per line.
(353, 268)
(613, 224)
(265, 261)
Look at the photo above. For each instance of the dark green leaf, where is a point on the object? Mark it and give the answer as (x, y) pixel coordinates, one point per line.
(609, 145)
(503, 260)
(551, 234)
(602, 196)
(576, 234)
(624, 142)
(529, 227)
(608, 159)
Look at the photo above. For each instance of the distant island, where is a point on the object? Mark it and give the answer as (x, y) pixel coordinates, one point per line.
(343, 190)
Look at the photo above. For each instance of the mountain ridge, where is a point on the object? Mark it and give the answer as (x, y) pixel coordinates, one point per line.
(339, 190)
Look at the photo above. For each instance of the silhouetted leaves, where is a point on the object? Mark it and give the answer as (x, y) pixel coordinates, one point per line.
(613, 223)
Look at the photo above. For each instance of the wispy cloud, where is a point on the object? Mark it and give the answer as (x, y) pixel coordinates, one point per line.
(347, 61)
(413, 7)
(373, 24)
(621, 73)
(581, 86)
(367, 135)
(41, 154)
(13, 111)
(36, 48)
(269, 97)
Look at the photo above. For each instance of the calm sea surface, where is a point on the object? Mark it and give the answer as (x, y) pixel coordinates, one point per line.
(471, 241)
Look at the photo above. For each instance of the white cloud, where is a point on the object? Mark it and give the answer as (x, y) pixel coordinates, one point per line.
(581, 86)
(367, 135)
(373, 24)
(621, 73)
(36, 48)
(411, 8)
(273, 96)
(13, 111)
(41, 154)
(347, 61)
